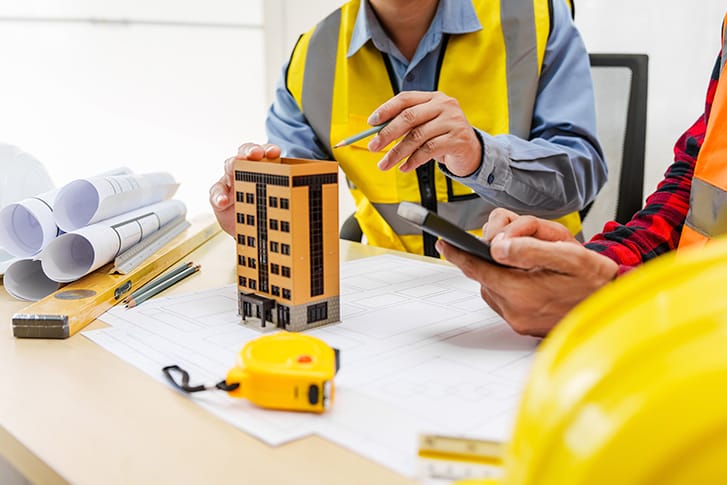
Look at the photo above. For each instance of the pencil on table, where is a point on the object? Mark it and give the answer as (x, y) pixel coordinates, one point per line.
(161, 286)
(158, 279)
(360, 136)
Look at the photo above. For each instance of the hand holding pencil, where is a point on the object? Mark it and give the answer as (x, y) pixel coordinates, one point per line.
(161, 283)
(431, 125)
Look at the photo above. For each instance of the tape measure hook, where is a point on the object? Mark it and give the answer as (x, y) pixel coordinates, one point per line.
(183, 384)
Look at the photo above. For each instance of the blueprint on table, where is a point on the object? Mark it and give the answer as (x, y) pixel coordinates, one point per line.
(420, 353)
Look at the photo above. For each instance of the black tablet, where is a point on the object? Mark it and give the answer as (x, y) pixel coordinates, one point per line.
(432, 223)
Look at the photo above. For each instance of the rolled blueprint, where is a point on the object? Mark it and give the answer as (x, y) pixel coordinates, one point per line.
(27, 226)
(86, 201)
(75, 254)
(25, 280)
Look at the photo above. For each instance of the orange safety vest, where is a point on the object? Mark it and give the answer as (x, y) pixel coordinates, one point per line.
(707, 216)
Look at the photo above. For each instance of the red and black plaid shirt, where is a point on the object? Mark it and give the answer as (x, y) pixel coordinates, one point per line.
(656, 228)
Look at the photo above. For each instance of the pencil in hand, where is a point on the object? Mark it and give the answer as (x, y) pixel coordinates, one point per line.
(161, 286)
(360, 136)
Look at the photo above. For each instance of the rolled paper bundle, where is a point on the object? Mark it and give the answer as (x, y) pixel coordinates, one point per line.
(77, 253)
(86, 201)
(25, 280)
(26, 227)
(27, 224)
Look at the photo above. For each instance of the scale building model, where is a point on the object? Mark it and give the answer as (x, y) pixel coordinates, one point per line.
(287, 243)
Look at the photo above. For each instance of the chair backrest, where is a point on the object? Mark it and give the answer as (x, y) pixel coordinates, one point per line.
(620, 83)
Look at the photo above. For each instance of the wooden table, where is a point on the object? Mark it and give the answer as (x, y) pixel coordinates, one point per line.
(70, 412)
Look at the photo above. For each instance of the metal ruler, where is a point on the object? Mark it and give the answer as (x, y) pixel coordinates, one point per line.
(141, 251)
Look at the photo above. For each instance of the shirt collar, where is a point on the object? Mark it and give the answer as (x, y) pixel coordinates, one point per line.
(452, 17)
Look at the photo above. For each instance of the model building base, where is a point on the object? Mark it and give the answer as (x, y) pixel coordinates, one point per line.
(294, 318)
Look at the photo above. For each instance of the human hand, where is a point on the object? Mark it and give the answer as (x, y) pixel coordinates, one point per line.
(433, 126)
(553, 273)
(514, 225)
(222, 192)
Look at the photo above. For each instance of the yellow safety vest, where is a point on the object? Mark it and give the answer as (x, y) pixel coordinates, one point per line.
(493, 73)
(707, 216)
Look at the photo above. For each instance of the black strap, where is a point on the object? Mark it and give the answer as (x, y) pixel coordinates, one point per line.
(183, 385)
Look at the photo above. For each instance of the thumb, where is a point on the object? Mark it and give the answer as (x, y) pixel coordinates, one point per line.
(530, 253)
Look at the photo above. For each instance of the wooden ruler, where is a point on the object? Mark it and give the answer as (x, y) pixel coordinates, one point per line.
(77, 304)
(450, 458)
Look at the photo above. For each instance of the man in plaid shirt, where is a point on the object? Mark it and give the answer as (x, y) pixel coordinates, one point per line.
(557, 271)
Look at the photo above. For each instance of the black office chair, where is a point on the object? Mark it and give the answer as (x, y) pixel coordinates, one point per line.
(620, 82)
(351, 230)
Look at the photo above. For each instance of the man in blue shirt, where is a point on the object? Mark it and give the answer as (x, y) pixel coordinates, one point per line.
(507, 113)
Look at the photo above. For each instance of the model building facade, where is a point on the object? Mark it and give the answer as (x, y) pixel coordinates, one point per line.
(287, 243)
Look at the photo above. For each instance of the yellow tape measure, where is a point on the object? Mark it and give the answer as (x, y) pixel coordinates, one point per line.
(459, 458)
(286, 370)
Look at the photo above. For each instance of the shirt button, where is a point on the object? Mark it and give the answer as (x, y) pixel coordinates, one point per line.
(490, 178)
(410, 77)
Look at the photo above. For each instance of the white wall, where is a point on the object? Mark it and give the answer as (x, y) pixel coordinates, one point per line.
(681, 39)
(156, 85)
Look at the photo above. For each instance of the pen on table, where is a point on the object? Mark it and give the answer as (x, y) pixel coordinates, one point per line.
(360, 136)
(158, 279)
(161, 286)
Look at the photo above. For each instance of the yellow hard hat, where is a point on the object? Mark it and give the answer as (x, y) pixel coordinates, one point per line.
(631, 387)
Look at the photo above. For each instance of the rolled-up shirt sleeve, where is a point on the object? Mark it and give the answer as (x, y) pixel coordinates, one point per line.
(560, 168)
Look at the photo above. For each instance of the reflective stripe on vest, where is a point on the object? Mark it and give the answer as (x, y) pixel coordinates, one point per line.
(707, 216)
(337, 94)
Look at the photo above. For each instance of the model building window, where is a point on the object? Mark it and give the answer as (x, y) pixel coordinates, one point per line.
(249, 198)
(239, 196)
(251, 241)
(273, 224)
(240, 218)
(285, 226)
(286, 294)
(285, 249)
(241, 239)
(275, 290)
(251, 263)
(273, 201)
(247, 309)
(284, 203)
(252, 284)
(318, 312)
(242, 281)
(250, 220)
(241, 260)
(283, 315)
(273, 246)
(274, 268)
(285, 271)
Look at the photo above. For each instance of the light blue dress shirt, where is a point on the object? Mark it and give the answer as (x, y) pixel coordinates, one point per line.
(558, 170)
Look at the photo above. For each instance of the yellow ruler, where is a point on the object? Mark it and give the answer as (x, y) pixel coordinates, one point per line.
(450, 458)
(77, 304)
